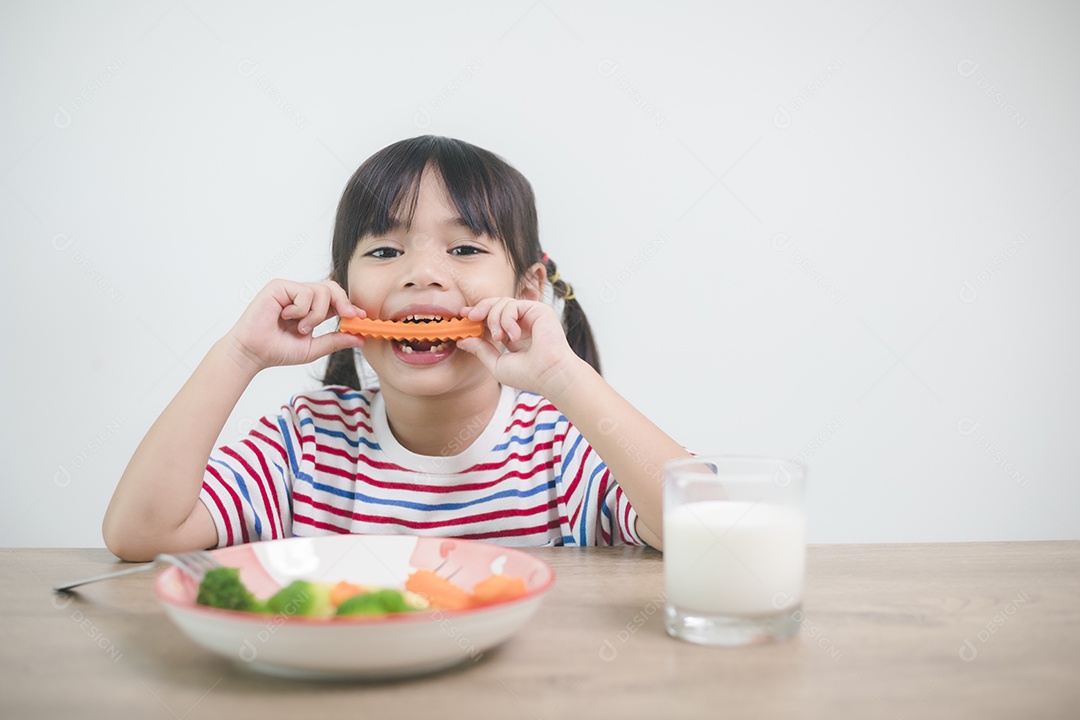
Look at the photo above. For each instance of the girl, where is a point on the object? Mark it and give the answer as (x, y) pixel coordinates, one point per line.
(513, 437)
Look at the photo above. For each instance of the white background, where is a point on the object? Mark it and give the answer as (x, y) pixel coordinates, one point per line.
(846, 233)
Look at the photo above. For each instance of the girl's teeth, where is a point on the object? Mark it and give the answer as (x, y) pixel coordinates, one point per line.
(407, 349)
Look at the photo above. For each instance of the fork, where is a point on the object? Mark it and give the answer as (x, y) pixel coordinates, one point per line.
(193, 564)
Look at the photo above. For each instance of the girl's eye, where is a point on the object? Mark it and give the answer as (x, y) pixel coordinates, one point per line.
(383, 253)
(462, 250)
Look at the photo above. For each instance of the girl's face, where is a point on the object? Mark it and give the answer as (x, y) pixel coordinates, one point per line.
(432, 268)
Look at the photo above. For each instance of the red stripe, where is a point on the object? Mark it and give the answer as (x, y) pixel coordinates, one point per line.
(341, 421)
(346, 454)
(574, 485)
(221, 513)
(338, 402)
(355, 459)
(627, 525)
(237, 503)
(463, 487)
(418, 524)
(513, 532)
(272, 443)
(254, 477)
(412, 487)
(601, 499)
(305, 403)
(542, 404)
(512, 456)
(272, 511)
(305, 520)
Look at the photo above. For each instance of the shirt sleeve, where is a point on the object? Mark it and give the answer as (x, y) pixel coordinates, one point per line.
(598, 511)
(247, 484)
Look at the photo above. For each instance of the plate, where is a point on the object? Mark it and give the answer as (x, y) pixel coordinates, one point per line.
(357, 647)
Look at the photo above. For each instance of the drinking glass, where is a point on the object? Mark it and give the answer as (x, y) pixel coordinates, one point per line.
(734, 549)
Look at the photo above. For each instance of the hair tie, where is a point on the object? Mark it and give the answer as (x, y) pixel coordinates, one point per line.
(568, 291)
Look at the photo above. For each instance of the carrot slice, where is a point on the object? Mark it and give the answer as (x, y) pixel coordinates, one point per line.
(498, 588)
(438, 591)
(343, 591)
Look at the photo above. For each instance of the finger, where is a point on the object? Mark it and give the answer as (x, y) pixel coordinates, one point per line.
(505, 314)
(319, 310)
(480, 310)
(332, 342)
(299, 302)
(493, 317)
(484, 351)
(340, 300)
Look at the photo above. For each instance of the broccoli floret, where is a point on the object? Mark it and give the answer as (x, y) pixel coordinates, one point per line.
(222, 588)
(379, 602)
(301, 597)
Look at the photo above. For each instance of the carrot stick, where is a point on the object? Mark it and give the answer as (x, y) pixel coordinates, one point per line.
(438, 591)
(343, 591)
(498, 588)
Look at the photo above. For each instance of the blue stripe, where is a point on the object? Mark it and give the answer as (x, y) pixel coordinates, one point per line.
(322, 487)
(356, 443)
(242, 486)
(290, 451)
(585, 502)
(343, 393)
(605, 510)
(567, 459)
(524, 440)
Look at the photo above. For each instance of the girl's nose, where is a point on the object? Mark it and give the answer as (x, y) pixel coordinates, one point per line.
(425, 267)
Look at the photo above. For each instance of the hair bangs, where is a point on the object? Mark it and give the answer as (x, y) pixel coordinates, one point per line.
(491, 197)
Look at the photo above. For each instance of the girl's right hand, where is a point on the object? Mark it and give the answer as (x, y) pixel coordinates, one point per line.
(276, 327)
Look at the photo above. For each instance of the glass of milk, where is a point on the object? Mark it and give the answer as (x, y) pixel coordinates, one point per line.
(734, 549)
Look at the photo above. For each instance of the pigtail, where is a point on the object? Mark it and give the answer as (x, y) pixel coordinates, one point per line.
(341, 370)
(578, 332)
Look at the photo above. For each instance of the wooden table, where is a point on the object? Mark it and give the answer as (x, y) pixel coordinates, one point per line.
(891, 631)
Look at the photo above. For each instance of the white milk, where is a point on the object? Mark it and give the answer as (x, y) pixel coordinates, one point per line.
(734, 558)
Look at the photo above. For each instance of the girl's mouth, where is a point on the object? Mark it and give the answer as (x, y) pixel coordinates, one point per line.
(423, 352)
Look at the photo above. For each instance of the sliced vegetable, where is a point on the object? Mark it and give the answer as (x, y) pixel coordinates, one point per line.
(438, 591)
(345, 590)
(498, 588)
(222, 588)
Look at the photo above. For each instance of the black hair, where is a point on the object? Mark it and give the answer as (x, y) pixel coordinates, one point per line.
(492, 197)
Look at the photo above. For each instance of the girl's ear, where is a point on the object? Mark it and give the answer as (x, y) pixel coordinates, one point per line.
(532, 282)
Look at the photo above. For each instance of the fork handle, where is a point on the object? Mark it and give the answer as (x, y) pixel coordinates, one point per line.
(66, 587)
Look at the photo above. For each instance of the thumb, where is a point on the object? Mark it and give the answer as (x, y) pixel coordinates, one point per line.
(485, 352)
(332, 342)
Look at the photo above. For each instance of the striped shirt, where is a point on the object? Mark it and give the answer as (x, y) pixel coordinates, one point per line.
(328, 463)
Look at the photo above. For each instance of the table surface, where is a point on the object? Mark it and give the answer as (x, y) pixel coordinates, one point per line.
(890, 631)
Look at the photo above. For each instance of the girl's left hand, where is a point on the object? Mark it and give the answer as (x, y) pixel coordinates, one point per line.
(536, 353)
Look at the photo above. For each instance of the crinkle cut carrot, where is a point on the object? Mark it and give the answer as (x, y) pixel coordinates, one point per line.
(435, 331)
